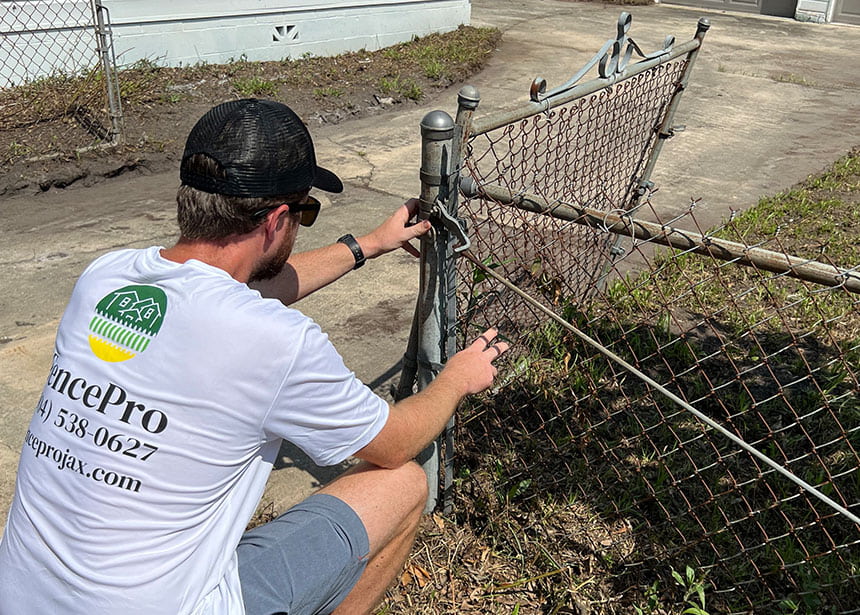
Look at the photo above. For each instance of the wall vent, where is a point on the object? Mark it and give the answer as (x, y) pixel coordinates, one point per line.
(284, 34)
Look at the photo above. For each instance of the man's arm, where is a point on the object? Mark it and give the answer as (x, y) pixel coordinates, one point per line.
(416, 421)
(309, 271)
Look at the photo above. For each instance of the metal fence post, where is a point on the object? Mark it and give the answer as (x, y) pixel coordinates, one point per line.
(663, 132)
(467, 102)
(104, 47)
(429, 345)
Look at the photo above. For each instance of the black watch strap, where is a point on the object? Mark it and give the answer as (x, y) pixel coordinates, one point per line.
(350, 242)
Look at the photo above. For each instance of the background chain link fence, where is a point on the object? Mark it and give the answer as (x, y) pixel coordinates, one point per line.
(56, 67)
(572, 463)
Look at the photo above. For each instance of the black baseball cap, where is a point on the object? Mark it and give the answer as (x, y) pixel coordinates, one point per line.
(263, 148)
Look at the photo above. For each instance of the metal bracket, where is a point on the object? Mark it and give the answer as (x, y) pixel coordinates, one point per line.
(644, 187)
(455, 226)
(671, 131)
(617, 250)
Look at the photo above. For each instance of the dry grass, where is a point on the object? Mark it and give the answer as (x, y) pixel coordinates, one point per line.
(577, 491)
(47, 123)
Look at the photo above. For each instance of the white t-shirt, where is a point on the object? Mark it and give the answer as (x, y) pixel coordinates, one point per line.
(170, 391)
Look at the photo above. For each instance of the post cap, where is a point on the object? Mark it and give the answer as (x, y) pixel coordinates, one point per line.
(437, 126)
(468, 97)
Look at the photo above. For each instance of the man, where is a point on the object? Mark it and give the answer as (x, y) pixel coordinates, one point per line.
(173, 384)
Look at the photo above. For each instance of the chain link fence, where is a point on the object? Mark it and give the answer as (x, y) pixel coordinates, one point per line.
(679, 413)
(771, 358)
(56, 67)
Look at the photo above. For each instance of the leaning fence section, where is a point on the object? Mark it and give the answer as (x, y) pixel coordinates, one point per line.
(56, 67)
(593, 144)
(643, 485)
(603, 488)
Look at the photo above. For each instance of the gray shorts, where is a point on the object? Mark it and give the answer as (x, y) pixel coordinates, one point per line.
(305, 561)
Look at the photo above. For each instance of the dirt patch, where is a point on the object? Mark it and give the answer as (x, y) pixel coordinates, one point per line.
(52, 130)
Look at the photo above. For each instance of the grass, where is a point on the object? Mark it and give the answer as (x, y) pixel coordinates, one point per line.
(435, 55)
(585, 487)
(343, 86)
(255, 86)
(328, 92)
(813, 219)
(395, 85)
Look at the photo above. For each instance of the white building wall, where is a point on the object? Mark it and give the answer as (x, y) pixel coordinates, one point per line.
(816, 11)
(183, 32)
(174, 33)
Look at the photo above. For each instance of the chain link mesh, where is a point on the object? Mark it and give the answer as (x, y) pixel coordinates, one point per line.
(51, 72)
(588, 464)
(592, 153)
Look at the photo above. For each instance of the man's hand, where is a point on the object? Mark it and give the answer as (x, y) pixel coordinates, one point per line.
(395, 232)
(473, 366)
(415, 421)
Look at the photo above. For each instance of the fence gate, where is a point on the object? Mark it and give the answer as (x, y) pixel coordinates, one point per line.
(56, 66)
(676, 397)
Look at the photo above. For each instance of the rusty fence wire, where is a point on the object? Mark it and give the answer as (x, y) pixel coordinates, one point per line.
(603, 488)
(56, 67)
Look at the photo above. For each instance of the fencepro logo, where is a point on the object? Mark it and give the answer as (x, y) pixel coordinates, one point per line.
(126, 321)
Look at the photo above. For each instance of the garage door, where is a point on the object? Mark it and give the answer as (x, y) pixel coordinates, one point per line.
(778, 8)
(747, 6)
(847, 11)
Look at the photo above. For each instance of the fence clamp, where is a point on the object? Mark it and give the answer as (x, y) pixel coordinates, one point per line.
(645, 186)
(455, 226)
(670, 132)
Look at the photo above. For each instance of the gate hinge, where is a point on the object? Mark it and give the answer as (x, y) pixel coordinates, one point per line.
(617, 250)
(645, 186)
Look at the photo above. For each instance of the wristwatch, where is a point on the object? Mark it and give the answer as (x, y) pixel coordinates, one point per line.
(350, 242)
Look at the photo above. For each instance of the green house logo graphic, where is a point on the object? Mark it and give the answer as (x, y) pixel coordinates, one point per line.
(126, 321)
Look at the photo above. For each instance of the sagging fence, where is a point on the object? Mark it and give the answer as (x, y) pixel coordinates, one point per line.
(57, 66)
(681, 402)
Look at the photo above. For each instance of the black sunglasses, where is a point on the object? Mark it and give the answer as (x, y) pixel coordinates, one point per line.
(310, 209)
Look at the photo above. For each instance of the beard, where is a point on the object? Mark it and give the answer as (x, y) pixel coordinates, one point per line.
(268, 269)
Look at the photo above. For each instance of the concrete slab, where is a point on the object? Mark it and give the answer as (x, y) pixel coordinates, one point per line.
(771, 101)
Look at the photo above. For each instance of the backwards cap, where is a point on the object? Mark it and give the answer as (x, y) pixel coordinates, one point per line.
(263, 148)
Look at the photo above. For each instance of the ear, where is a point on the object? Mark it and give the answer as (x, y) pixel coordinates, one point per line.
(274, 220)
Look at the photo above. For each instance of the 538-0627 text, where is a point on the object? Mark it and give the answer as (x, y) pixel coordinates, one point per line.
(101, 436)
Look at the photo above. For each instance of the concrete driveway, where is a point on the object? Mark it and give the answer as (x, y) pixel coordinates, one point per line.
(771, 101)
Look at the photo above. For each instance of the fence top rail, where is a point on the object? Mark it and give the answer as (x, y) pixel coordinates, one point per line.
(613, 67)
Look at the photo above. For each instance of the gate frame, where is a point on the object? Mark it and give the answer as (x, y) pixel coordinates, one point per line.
(433, 338)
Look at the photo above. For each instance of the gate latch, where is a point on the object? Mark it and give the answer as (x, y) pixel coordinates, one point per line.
(455, 226)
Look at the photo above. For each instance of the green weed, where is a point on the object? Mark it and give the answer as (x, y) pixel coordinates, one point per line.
(328, 92)
(404, 87)
(694, 587)
(255, 86)
(17, 150)
(792, 78)
(651, 600)
(171, 97)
